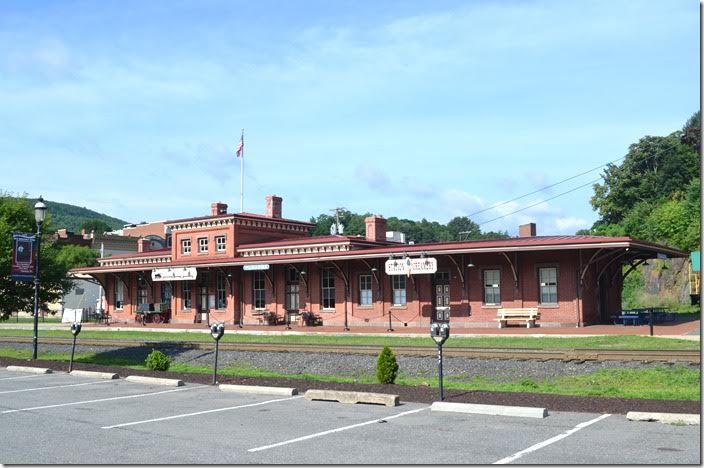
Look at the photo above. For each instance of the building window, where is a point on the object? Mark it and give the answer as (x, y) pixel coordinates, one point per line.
(186, 285)
(119, 294)
(492, 287)
(166, 295)
(398, 286)
(185, 246)
(221, 291)
(141, 291)
(328, 288)
(203, 245)
(365, 290)
(292, 289)
(220, 243)
(258, 293)
(548, 285)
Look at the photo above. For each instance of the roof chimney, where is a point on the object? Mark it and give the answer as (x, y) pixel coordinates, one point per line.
(375, 228)
(273, 206)
(526, 230)
(218, 208)
(143, 244)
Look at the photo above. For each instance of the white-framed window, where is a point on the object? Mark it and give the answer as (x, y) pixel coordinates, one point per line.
(398, 286)
(365, 290)
(202, 245)
(220, 285)
(119, 294)
(258, 292)
(327, 289)
(220, 243)
(547, 278)
(492, 287)
(186, 293)
(185, 246)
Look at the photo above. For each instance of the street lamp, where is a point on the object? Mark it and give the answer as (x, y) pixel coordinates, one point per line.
(39, 214)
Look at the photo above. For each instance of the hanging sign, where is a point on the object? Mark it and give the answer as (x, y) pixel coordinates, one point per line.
(174, 274)
(255, 266)
(411, 266)
(23, 256)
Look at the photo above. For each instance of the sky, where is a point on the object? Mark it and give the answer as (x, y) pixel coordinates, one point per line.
(414, 109)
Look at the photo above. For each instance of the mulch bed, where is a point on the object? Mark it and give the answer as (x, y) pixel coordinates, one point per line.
(418, 394)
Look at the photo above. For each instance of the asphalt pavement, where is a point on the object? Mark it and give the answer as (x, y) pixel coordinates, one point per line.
(66, 419)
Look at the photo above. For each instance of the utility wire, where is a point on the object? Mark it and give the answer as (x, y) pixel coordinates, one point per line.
(538, 203)
(543, 188)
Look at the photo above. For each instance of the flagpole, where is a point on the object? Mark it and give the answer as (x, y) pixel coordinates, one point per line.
(242, 175)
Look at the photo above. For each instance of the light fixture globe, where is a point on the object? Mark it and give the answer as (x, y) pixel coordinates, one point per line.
(39, 211)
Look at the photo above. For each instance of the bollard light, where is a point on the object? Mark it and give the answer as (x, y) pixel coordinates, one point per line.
(75, 330)
(216, 331)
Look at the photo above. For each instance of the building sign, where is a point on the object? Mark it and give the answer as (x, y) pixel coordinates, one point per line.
(255, 266)
(23, 256)
(174, 274)
(411, 266)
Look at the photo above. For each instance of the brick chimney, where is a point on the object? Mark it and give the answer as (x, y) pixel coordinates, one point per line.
(143, 244)
(526, 230)
(375, 228)
(273, 206)
(218, 208)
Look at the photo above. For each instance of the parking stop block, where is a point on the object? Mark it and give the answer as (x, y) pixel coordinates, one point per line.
(665, 418)
(353, 397)
(255, 389)
(95, 375)
(154, 380)
(495, 410)
(31, 370)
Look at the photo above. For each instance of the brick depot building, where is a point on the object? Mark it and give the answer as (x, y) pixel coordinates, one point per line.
(252, 269)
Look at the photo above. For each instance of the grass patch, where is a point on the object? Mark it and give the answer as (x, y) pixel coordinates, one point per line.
(602, 342)
(677, 382)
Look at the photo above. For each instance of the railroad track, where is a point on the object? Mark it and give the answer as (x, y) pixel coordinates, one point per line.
(562, 354)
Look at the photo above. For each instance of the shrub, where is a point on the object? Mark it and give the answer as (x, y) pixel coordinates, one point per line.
(386, 366)
(157, 361)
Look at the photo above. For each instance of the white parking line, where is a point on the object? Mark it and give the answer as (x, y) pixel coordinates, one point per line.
(552, 440)
(25, 377)
(339, 429)
(54, 386)
(177, 416)
(58, 405)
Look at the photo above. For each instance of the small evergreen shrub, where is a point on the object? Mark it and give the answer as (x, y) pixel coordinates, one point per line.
(158, 361)
(386, 366)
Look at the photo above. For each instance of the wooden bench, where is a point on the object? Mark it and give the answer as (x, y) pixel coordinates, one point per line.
(528, 315)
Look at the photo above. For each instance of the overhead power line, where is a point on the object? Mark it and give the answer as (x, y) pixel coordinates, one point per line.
(544, 188)
(540, 202)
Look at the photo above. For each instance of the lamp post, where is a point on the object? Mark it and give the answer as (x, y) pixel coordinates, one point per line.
(39, 214)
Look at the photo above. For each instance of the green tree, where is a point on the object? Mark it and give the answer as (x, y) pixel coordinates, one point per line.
(16, 215)
(96, 225)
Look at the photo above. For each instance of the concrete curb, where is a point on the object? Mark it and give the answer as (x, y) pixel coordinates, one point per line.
(665, 418)
(31, 370)
(495, 410)
(259, 390)
(95, 375)
(154, 380)
(353, 397)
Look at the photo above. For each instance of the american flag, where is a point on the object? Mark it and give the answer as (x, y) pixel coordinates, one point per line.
(240, 146)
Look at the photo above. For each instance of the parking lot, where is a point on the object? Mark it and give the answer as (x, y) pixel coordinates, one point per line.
(66, 419)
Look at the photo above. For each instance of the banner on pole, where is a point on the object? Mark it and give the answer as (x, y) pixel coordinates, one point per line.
(24, 256)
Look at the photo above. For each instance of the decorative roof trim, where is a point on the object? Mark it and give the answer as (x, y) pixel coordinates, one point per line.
(294, 249)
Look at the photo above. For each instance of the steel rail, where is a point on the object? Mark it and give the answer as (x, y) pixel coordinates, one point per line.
(691, 356)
